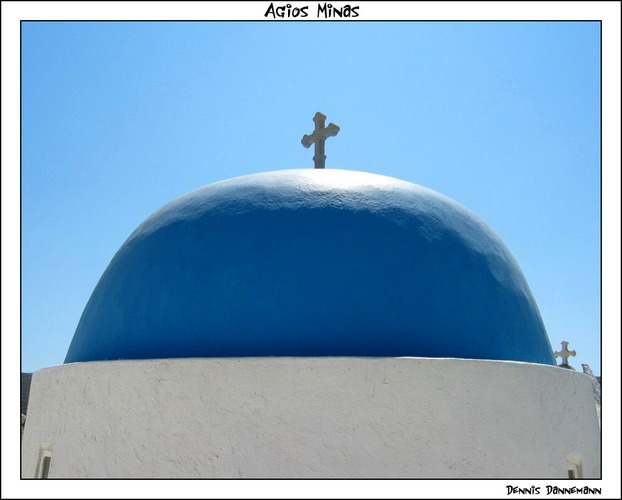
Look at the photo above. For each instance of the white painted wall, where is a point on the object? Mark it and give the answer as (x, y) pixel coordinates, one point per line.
(311, 417)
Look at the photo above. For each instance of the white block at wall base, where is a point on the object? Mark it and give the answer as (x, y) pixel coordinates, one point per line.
(310, 418)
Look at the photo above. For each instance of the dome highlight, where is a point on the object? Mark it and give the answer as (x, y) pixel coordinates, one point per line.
(312, 263)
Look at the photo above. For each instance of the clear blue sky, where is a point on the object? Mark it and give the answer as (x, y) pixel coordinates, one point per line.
(120, 118)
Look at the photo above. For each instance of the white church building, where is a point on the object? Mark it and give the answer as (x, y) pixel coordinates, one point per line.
(316, 323)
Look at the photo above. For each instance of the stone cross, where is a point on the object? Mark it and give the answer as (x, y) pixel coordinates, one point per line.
(319, 136)
(565, 354)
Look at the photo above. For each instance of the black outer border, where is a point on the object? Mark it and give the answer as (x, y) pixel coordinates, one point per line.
(349, 20)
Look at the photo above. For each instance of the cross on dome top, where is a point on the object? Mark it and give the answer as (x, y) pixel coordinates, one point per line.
(318, 137)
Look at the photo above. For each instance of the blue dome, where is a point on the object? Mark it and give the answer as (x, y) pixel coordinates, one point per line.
(312, 263)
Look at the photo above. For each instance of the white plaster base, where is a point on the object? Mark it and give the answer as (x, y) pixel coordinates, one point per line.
(311, 417)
